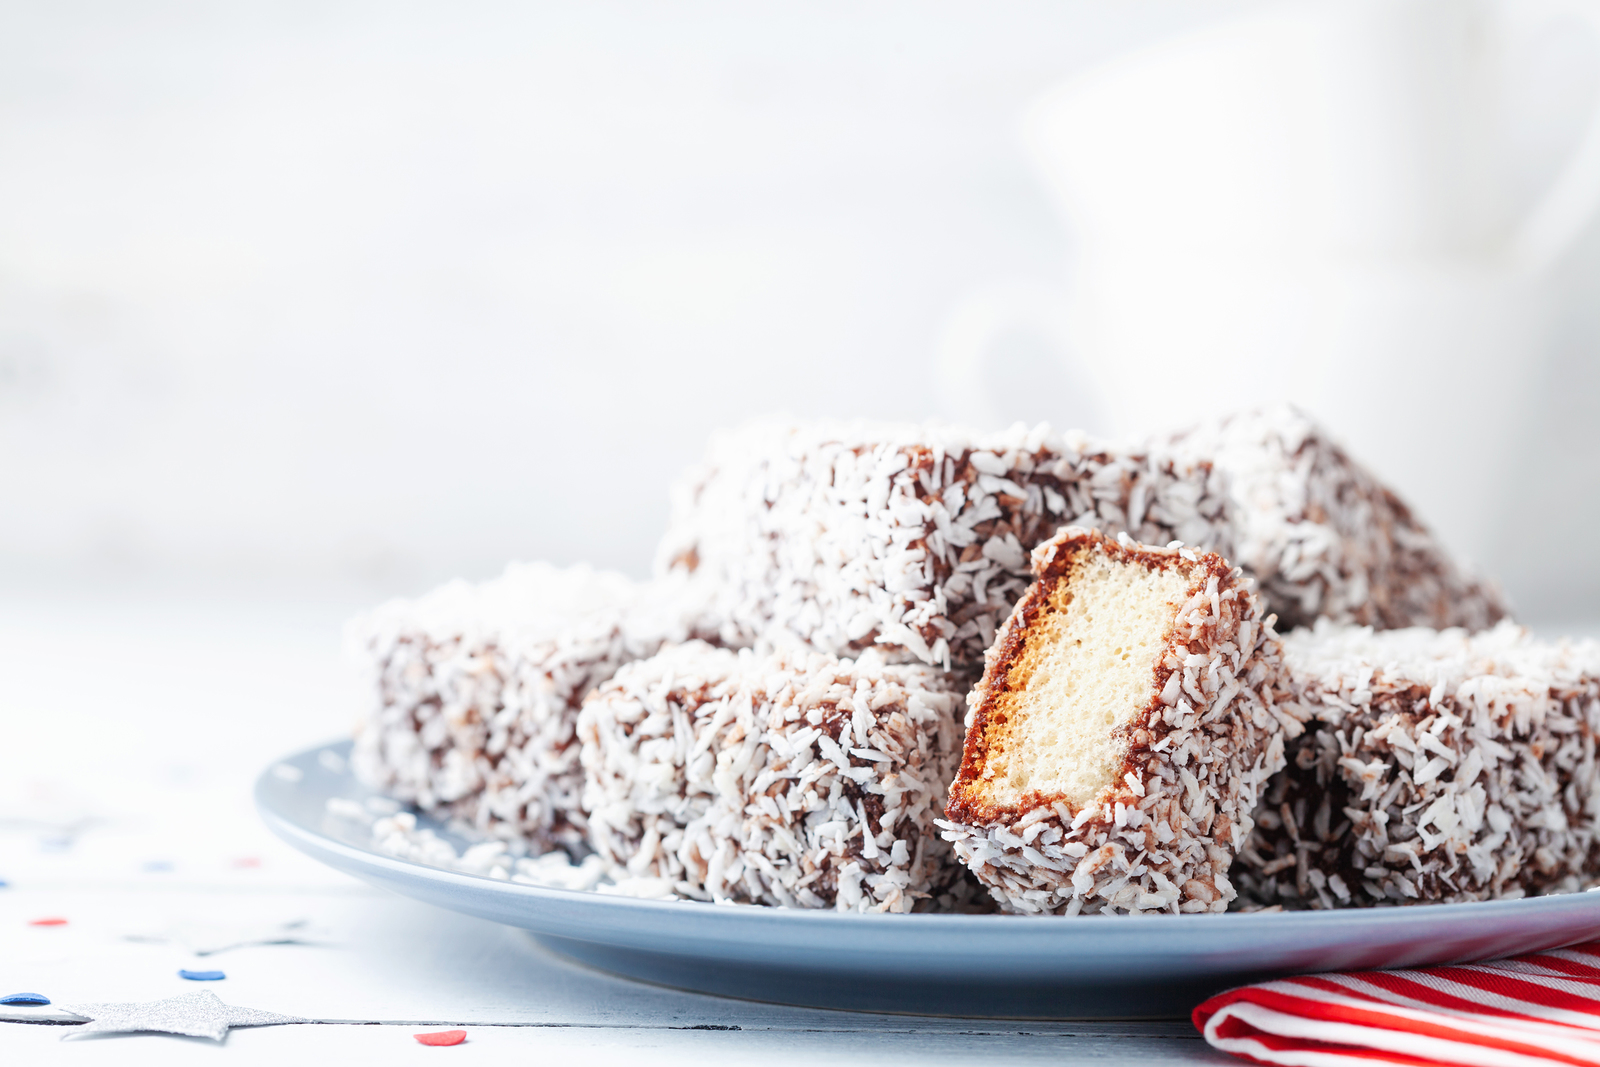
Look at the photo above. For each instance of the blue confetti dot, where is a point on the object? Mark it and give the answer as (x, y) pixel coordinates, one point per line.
(158, 866)
(25, 998)
(202, 976)
(3, 883)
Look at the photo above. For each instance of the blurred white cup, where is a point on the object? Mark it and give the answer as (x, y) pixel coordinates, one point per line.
(1309, 203)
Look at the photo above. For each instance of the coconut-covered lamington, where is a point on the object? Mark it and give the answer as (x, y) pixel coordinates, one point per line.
(1436, 766)
(916, 538)
(791, 779)
(1323, 536)
(1120, 735)
(476, 688)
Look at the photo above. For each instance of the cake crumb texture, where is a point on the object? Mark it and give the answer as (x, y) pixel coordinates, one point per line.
(1123, 728)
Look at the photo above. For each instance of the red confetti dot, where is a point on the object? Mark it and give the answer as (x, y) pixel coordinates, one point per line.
(47, 922)
(442, 1037)
(247, 861)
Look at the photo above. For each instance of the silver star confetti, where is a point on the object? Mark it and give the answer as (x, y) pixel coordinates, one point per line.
(192, 1014)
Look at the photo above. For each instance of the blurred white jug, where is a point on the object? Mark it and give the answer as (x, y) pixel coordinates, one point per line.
(1310, 203)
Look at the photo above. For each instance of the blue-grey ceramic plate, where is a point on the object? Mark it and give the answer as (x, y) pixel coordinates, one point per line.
(1099, 967)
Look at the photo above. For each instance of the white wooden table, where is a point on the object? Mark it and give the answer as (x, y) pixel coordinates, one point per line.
(132, 731)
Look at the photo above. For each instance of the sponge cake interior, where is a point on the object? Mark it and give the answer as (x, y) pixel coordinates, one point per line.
(1075, 678)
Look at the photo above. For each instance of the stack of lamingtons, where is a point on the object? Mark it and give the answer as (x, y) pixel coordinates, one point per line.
(776, 717)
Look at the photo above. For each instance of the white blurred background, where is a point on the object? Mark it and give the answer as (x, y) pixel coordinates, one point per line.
(329, 302)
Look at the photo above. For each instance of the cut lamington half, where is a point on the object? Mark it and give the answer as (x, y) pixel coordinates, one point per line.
(475, 690)
(792, 778)
(1120, 735)
(1436, 766)
(915, 539)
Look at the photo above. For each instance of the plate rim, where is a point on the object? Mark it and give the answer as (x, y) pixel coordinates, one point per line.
(621, 905)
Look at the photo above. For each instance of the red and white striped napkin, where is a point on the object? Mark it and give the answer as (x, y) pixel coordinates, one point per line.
(1533, 1010)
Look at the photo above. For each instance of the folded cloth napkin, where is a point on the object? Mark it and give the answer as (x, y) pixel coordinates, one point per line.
(1533, 1010)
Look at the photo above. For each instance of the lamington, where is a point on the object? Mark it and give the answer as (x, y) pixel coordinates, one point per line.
(1120, 735)
(915, 539)
(475, 691)
(788, 778)
(1436, 766)
(1323, 537)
